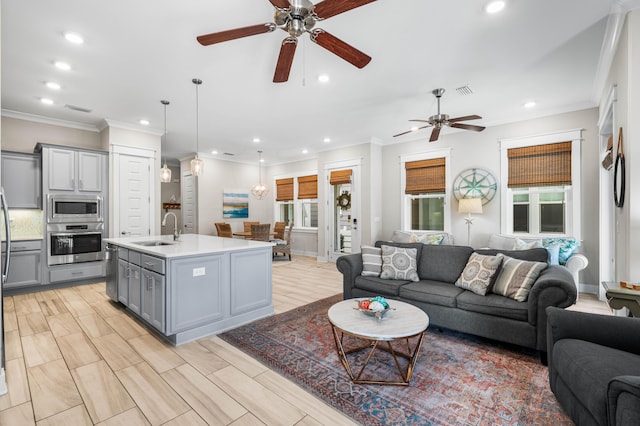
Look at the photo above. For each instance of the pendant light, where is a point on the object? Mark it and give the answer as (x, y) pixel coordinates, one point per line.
(165, 172)
(197, 165)
(259, 190)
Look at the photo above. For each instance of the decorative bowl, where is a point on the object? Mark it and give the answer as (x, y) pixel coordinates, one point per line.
(379, 304)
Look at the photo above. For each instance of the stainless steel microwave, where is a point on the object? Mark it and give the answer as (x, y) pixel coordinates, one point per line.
(66, 208)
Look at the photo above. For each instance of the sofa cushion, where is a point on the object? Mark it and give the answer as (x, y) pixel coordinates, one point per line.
(532, 255)
(516, 277)
(443, 263)
(434, 292)
(479, 272)
(399, 263)
(493, 304)
(587, 368)
(379, 286)
(371, 261)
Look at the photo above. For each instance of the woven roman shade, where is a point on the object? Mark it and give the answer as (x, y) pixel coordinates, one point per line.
(284, 189)
(425, 176)
(340, 177)
(308, 187)
(540, 165)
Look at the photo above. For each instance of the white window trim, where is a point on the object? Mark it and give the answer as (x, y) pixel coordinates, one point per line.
(574, 201)
(405, 211)
(297, 208)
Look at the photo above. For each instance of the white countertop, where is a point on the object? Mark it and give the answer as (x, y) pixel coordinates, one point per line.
(188, 245)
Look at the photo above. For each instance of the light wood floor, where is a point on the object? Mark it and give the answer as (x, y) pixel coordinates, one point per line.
(75, 358)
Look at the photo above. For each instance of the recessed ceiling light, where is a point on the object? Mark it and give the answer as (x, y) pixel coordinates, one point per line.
(414, 128)
(46, 101)
(326, 140)
(62, 65)
(495, 6)
(74, 38)
(261, 160)
(323, 78)
(530, 104)
(52, 85)
(214, 152)
(256, 140)
(144, 122)
(305, 151)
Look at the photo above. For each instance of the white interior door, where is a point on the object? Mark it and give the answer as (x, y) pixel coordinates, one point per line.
(343, 219)
(134, 201)
(189, 206)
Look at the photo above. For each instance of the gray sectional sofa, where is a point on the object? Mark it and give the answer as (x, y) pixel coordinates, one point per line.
(492, 316)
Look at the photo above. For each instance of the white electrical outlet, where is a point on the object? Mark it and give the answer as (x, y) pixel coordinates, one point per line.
(198, 272)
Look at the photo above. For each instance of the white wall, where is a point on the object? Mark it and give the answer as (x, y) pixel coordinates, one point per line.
(23, 135)
(471, 149)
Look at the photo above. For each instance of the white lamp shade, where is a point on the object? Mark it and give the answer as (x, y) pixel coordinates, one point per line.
(470, 205)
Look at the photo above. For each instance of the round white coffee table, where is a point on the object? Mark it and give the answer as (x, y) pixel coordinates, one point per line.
(401, 323)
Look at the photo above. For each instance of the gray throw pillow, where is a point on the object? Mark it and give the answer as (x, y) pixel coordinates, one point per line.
(478, 275)
(371, 261)
(399, 263)
(516, 277)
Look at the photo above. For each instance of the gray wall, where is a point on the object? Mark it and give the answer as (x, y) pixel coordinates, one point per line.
(22, 135)
(471, 149)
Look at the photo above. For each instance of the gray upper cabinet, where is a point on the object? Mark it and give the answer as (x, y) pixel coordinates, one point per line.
(72, 170)
(21, 180)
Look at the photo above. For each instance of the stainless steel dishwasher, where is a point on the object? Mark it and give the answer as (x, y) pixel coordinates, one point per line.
(111, 255)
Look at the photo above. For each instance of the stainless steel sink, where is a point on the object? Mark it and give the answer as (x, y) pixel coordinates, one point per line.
(153, 243)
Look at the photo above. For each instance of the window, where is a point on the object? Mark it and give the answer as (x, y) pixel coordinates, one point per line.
(425, 191)
(542, 191)
(301, 210)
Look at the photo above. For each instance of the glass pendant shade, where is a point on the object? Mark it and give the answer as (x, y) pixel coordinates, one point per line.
(259, 190)
(197, 165)
(165, 172)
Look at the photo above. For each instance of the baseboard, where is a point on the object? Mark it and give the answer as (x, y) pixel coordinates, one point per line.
(588, 288)
(305, 253)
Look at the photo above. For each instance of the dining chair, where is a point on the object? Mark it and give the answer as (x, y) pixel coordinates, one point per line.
(260, 232)
(224, 230)
(283, 246)
(247, 226)
(278, 230)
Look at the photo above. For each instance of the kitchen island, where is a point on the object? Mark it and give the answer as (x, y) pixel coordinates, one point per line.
(191, 288)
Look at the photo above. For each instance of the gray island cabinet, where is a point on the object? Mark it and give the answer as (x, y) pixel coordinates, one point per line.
(195, 287)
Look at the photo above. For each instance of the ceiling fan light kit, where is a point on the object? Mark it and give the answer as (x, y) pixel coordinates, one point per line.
(439, 120)
(197, 165)
(297, 17)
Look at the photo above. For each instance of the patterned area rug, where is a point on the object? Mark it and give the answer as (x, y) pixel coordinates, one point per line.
(459, 379)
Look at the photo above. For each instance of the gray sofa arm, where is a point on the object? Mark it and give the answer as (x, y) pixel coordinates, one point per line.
(351, 267)
(554, 287)
(606, 330)
(623, 406)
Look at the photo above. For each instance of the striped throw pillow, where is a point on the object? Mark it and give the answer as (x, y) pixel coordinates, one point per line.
(517, 277)
(371, 261)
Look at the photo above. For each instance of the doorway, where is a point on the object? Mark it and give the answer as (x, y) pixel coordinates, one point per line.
(343, 208)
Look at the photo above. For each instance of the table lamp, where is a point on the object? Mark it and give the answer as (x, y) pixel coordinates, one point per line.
(470, 205)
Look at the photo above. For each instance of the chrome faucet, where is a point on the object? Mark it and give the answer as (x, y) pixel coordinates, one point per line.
(176, 232)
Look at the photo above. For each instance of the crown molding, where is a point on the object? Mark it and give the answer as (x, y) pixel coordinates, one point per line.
(615, 24)
(48, 120)
(107, 122)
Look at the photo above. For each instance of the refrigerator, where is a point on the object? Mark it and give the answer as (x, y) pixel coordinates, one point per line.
(5, 274)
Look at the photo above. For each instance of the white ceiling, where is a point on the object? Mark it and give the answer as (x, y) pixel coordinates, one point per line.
(139, 52)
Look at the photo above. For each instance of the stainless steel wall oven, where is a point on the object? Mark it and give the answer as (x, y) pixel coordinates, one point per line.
(66, 208)
(74, 243)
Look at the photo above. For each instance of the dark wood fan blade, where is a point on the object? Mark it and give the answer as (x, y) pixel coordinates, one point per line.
(281, 4)
(411, 131)
(328, 8)
(285, 59)
(468, 117)
(214, 38)
(468, 127)
(435, 134)
(340, 48)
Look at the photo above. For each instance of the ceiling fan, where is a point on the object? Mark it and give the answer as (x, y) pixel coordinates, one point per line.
(439, 120)
(297, 17)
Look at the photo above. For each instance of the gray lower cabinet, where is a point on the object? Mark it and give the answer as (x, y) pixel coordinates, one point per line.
(77, 271)
(123, 280)
(152, 303)
(25, 264)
